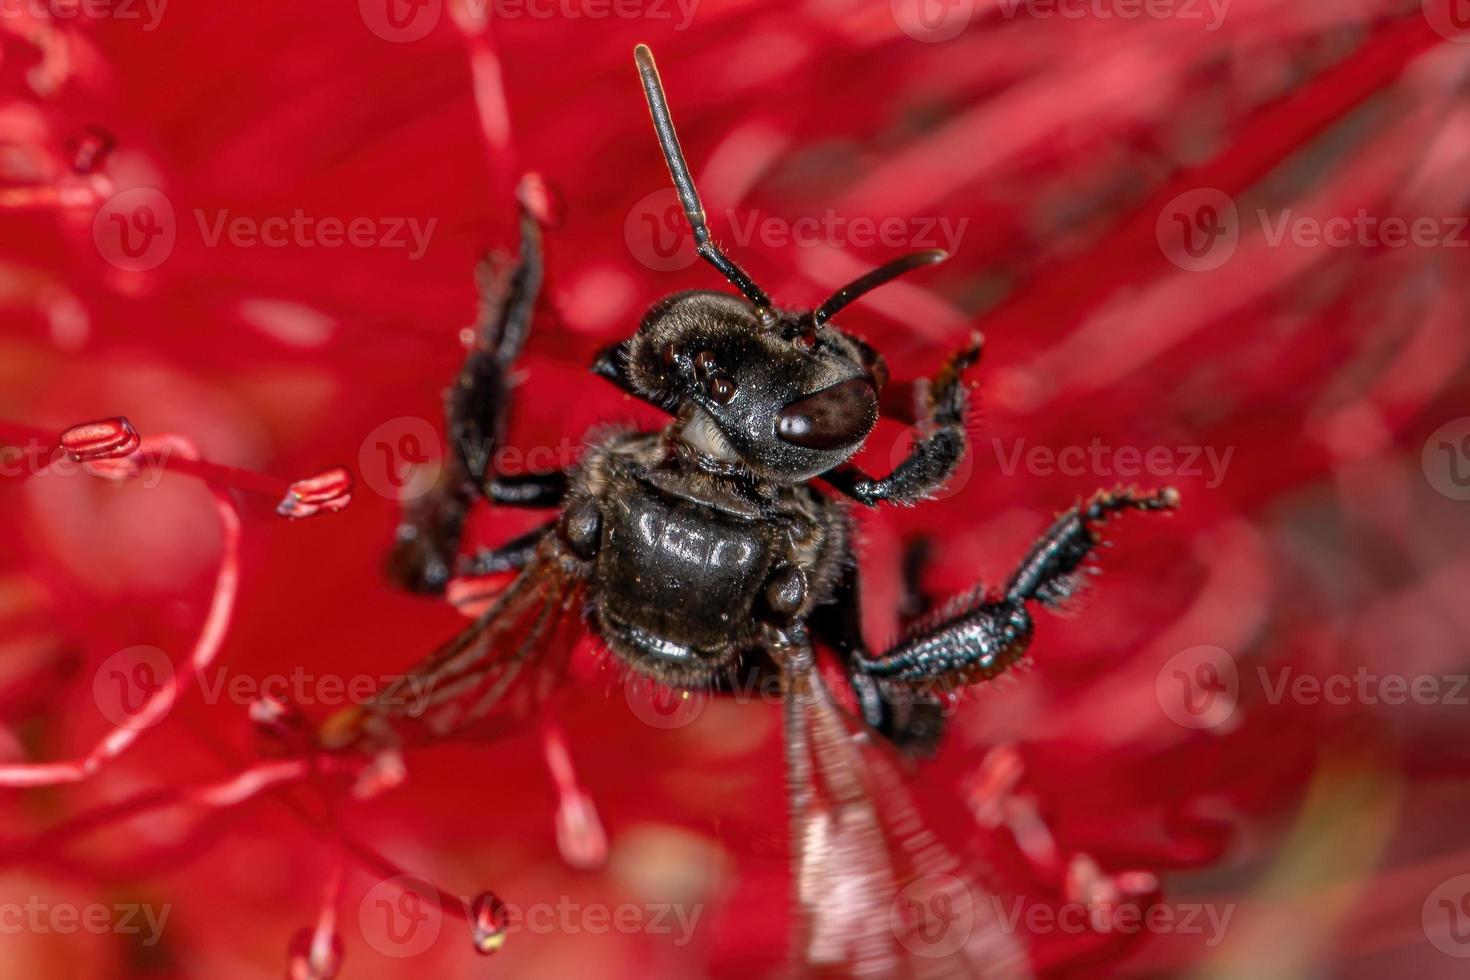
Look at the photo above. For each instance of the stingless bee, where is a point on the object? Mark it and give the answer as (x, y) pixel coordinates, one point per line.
(707, 548)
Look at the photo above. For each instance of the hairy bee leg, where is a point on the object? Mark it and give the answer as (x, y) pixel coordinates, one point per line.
(477, 409)
(910, 720)
(989, 637)
(531, 490)
(509, 557)
(934, 455)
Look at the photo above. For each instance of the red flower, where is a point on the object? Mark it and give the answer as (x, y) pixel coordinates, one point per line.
(1219, 246)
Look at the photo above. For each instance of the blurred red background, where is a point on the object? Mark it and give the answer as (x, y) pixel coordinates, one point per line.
(1141, 201)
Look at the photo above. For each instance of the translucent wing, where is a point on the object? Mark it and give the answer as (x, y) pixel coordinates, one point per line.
(877, 895)
(478, 683)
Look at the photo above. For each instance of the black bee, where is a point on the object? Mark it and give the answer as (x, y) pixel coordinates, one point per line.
(708, 547)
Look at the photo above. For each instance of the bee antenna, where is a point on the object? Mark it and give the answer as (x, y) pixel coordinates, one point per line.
(668, 141)
(874, 279)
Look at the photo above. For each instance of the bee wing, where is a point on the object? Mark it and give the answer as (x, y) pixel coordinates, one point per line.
(876, 893)
(479, 682)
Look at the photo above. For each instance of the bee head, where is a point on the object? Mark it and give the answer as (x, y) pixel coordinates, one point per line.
(783, 395)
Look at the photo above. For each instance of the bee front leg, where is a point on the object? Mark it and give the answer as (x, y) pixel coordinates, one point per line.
(933, 458)
(984, 640)
(477, 409)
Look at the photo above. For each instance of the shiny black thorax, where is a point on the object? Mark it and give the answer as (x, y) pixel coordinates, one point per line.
(690, 566)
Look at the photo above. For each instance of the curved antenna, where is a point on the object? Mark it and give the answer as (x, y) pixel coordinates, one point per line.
(668, 141)
(874, 279)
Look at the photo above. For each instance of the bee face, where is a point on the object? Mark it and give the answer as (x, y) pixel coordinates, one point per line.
(767, 391)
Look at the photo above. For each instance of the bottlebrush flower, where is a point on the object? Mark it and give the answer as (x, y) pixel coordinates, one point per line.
(1220, 246)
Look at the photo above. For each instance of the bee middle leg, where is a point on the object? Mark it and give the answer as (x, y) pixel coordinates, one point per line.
(912, 720)
(477, 410)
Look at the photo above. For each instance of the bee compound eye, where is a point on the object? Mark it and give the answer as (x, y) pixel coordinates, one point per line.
(721, 388)
(833, 418)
